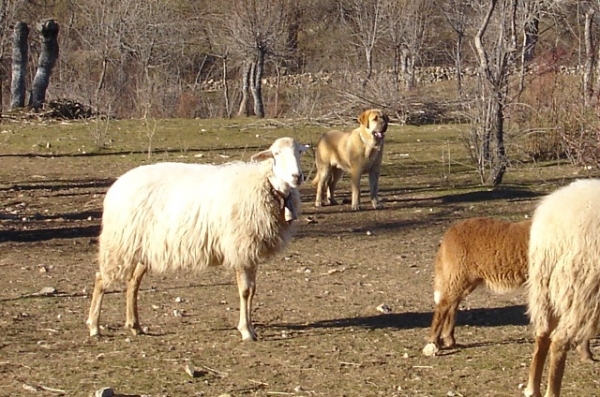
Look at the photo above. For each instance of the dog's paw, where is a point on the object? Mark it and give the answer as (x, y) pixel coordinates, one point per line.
(377, 205)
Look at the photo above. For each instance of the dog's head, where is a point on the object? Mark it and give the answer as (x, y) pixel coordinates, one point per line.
(376, 122)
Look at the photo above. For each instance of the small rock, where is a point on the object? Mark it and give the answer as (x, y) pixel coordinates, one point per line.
(225, 395)
(405, 355)
(178, 299)
(155, 307)
(105, 392)
(43, 269)
(48, 291)
(298, 389)
(177, 313)
(190, 370)
(383, 308)
(369, 233)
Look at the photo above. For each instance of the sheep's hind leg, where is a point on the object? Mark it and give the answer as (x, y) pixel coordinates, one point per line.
(94, 315)
(540, 351)
(246, 280)
(133, 285)
(556, 370)
(440, 312)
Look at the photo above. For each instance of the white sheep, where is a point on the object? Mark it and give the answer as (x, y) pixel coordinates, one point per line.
(564, 278)
(187, 217)
(473, 252)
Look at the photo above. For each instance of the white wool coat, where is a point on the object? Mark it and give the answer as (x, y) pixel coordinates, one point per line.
(173, 216)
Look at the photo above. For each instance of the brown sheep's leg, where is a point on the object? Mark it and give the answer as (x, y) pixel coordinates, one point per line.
(336, 175)
(585, 354)
(540, 351)
(94, 315)
(440, 313)
(558, 359)
(133, 285)
(246, 280)
(448, 326)
(355, 181)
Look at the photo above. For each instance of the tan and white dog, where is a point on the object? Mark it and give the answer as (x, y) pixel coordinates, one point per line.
(355, 152)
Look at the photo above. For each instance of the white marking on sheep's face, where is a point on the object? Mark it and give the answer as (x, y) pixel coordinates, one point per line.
(285, 153)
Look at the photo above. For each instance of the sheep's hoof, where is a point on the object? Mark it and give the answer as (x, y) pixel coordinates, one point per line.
(135, 329)
(248, 335)
(430, 350)
(249, 338)
(94, 329)
(377, 205)
(317, 203)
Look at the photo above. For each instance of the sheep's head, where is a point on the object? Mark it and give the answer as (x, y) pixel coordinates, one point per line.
(287, 172)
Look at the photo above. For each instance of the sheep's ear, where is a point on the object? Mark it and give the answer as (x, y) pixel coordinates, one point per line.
(262, 156)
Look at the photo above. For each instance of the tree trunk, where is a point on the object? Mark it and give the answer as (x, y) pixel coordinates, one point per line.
(407, 67)
(256, 84)
(19, 65)
(532, 31)
(498, 166)
(589, 58)
(226, 88)
(48, 56)
(243, 109)
(369, 61)
(458, 61)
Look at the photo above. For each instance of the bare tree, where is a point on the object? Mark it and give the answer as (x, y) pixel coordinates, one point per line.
(366, 30)
(406, 24)
(255, 30)
(457, 13)
(496, 58)
(48, 57)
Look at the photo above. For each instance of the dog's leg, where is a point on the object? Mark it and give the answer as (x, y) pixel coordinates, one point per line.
(335, 178)
(374, 187)
(322, 179)
(355, 181)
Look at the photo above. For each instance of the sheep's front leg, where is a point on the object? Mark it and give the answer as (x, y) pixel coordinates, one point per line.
(246, 281)
(133, 285)
(540, 351)
(94, 315)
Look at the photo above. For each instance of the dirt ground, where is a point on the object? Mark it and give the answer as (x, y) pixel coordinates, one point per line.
(316, 306)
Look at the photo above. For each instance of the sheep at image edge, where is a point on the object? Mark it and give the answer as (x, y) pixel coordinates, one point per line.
(564, 278)
(477, 251)
(187, 217)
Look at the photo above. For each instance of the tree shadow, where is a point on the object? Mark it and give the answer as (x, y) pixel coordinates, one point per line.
(481, 317)
(34, 235)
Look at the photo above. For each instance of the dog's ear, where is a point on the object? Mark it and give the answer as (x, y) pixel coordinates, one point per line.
(363, 119)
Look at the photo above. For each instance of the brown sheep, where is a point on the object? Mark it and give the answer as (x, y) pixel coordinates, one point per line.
(473, 252)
